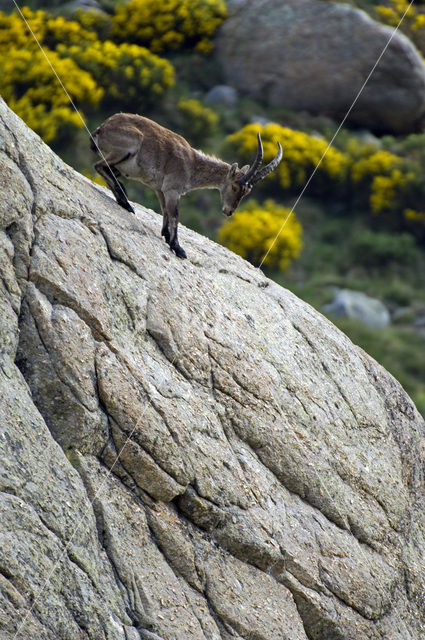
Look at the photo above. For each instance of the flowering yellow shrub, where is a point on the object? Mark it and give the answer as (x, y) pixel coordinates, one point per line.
(362, 174)
(30, 88)
(129, 74)
(251, 231)
(197, 119)
(413, 23)
(27, 81)
(49, 30)
(89, 68)
(301, 153)
(378, 173)
(378, 162)
(14, 32)
(169, 24)
(95, 21)
(384, 190)
(392, 13)
(414, 216)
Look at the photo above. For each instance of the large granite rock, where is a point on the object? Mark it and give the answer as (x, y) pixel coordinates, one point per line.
(187, 449)
(315, 56)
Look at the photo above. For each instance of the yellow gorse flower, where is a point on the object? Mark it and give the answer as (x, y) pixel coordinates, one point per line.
(380, 162)
(363, 173)
(91, 69)
(169, 24)
(302, 152)
(252, 231)
(415, 216)
(129, 73)
(384, 189)
(33, 92)
(413, 23)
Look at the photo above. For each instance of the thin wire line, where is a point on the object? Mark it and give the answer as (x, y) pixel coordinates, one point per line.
(335, 134)
(67, 94)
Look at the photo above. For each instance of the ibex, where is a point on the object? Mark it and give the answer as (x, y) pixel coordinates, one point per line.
(138, 148)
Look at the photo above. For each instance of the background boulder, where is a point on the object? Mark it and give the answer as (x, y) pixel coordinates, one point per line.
(187, 450)
(315, 56)
(355, 304)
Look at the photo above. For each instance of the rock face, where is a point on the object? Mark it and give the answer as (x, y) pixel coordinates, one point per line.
(187, 449)
(315, 56)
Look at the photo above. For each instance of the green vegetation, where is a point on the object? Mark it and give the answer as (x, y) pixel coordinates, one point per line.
(201, 121)
(361, 222)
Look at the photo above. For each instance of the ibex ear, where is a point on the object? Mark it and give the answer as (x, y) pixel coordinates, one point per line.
(232, 170)
(245, 168)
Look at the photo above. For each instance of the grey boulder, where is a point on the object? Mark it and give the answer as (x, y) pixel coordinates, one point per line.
(357, 305)
(222, 94)
(316, 56)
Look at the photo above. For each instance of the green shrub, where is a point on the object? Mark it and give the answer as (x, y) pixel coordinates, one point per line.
(380, 249)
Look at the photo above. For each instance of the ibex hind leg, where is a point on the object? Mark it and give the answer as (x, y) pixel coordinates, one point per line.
(110, 173)
(172, 208)
(174, 242)
(165, 231)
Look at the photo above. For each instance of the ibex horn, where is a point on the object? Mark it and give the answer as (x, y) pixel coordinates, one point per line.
(260, 175)
(246, 178)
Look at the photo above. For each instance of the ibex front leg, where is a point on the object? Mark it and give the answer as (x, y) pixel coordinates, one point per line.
(108, 170)
(172, 211)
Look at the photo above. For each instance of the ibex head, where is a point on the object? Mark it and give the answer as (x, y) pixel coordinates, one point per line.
(239, 182)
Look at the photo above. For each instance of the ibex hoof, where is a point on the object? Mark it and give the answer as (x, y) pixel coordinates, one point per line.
(180, 253)
(126, 205)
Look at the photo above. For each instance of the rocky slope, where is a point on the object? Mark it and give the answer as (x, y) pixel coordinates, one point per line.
(315, 55)
(187, 450)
